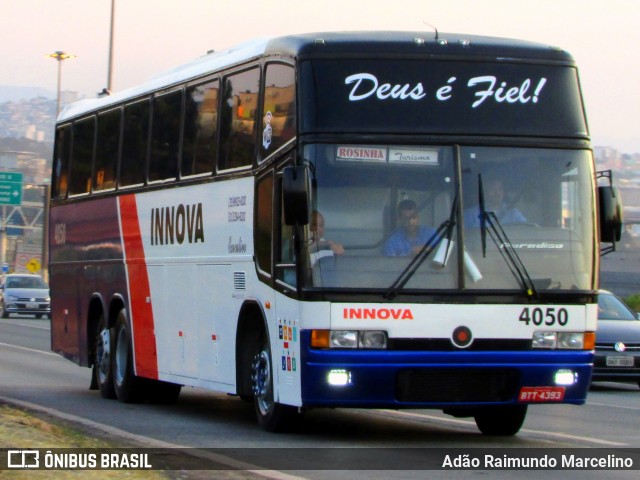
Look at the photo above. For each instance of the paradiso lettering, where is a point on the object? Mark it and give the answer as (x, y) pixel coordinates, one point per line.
(177, 224)
(377, 314)
(486, 87)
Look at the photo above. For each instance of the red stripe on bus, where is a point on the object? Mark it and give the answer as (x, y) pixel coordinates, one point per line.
(141, 315)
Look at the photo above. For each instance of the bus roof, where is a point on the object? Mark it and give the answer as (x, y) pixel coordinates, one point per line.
(318, 45)
(414, 43)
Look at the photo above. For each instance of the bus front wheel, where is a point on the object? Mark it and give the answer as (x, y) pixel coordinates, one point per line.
(272, 416)
(501, 421)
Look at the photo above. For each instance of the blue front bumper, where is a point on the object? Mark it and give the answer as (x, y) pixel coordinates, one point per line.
(436, 379)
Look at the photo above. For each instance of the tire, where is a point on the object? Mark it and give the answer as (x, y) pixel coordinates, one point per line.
(103, 360)
(129, 388)
(501, 421)
(5, 314)
(272, 416)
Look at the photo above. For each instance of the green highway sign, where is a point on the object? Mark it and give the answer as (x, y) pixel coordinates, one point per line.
(10, 188)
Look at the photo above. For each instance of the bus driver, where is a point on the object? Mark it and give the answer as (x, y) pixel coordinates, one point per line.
(409, 238)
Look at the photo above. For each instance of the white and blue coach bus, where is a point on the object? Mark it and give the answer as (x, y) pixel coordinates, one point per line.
(370, 220)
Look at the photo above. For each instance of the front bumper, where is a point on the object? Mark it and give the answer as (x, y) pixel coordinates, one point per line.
(28, 308)
(617, 370)
(436, 379)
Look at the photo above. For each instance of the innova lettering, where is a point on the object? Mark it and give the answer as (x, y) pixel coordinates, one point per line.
(175, 224)
(378, 314)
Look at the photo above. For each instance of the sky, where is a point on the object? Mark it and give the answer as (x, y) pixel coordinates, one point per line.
(151, 36)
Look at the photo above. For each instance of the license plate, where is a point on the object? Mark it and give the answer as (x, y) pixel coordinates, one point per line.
(541, 394)
(33, 305)
(619, 361)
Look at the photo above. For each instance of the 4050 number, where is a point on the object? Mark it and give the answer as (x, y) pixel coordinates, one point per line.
(545, 316)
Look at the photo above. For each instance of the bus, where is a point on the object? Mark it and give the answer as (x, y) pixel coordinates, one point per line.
(346, 220)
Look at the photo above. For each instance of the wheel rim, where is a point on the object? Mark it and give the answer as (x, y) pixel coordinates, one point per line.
(262, 384)
(121, 355)
(103, 355)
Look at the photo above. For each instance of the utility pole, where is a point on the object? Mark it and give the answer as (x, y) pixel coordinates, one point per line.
(60, 56)
(110, 68)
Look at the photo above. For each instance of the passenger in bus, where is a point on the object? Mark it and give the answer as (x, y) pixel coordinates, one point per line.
(494, 201)
(320, 246)
(409, 238)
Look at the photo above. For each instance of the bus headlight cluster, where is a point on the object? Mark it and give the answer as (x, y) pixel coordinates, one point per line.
(373, 339)
(564, 340)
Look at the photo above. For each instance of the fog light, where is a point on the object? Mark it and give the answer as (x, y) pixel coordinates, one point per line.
(565, 377)
(339, 378)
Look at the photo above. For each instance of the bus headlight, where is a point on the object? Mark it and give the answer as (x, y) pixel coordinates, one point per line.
(571, 340)
(365, 339)
(544, 340)
(343, 339)
(372, 339)
(564, 340)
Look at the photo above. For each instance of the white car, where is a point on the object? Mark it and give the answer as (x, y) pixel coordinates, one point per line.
(24, 294)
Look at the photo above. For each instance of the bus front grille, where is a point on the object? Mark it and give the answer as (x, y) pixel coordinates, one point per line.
(452, 385)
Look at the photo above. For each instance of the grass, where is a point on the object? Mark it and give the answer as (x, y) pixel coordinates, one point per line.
(22, 430)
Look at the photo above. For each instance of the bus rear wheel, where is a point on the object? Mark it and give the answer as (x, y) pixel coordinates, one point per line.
(501, 421)
(103, 361)
(272, 416)
(129, 388)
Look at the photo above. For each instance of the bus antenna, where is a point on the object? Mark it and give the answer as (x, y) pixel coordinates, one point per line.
(434, 28)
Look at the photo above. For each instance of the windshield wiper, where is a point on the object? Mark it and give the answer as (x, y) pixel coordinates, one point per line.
(426, 250)
(503, 243)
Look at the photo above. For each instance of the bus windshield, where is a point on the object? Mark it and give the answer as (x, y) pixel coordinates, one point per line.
(449, 218)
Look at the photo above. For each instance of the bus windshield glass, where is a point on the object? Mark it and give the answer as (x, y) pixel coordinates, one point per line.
(419, 218)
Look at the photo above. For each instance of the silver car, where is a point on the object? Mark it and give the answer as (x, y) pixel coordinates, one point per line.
(24, 294)
(617, 356)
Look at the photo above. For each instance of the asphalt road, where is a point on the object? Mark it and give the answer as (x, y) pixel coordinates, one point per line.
(30, 375)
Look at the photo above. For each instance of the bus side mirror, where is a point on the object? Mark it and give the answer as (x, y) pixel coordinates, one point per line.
(610, 203)
(295, 191)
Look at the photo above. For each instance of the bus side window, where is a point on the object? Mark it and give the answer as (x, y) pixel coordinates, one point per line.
(104, 176)
(238, 119)
(264, 222)
(61, 159)
(165, 136)
(285, 253)
(278, 109)
(200, 129)
(134, 143)
(82, 156)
